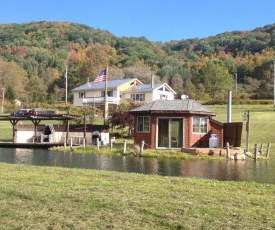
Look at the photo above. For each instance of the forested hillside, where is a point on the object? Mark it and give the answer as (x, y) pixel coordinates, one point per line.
(33, 58)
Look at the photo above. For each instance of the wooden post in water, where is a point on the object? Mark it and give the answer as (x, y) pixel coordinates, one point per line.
(111, 144)
(124, 146)
(261, 149)
(71, 143)
(141, 147)
(268, 149)
(97, 143)
(255, 151)
(227, 150)
(84, 142)
(65, 142)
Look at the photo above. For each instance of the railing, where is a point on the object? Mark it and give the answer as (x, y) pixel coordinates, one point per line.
(99, 100)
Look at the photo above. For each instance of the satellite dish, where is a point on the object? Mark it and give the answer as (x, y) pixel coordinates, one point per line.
(183, 97)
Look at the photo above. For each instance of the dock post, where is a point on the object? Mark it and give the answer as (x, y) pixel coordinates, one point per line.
(255, 151)
(268, 149)
(227, 150)
(141, 147)
(65, 143)
(261, 149)
(97, 143)
(124, 146)
(71, 144)
(84, 142)
(111, 144)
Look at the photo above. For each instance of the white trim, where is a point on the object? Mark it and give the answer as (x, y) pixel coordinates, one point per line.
(207, 121)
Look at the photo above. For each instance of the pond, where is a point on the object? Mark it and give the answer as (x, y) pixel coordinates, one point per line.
(262, 171)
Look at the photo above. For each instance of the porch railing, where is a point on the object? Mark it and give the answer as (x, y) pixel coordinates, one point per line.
(99, 100)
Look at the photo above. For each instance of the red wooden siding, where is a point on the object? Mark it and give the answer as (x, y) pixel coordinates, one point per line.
(191, 140)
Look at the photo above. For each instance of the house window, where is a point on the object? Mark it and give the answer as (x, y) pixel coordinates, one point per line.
(163, 97)
(199, 124)
(138, 97)
(143, 124)
(82, 94)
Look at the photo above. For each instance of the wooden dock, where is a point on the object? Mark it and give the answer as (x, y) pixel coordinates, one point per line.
(29, 145)
(211, 151)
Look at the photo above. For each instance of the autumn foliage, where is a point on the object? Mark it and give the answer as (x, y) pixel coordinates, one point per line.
(35, 55)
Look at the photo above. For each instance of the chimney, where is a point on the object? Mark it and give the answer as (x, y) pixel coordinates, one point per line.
(152, 81)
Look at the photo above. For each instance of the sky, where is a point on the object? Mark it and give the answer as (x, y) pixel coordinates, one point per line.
(156, 20)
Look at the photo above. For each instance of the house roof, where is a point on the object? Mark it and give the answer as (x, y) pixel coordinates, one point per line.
(173, 106)
(101, 85)
(148, 87)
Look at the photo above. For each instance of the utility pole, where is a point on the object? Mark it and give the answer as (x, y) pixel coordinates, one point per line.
(66, 85)
(236, 82)
(3, 99)
(274, 82)
(106, 99)
(246, 117)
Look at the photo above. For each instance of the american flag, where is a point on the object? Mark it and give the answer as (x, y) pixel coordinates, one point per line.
(101, 77)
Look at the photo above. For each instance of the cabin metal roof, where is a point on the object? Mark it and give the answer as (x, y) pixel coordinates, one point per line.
(173, 106)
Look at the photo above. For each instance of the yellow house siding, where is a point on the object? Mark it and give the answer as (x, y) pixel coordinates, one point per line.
(127, 85)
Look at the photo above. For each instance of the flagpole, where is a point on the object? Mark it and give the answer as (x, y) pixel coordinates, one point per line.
(106, 99)
(66, 85)
(274, 83)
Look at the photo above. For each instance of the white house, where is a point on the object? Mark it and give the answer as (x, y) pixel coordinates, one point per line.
(119, 90)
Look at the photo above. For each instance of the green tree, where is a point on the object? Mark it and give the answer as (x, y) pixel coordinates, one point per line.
(13, 79)
(215, 78)
(177, 83)
(36, 90)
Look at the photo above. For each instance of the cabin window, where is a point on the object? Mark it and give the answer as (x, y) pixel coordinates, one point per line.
(199, 124)
(138, 96)
(143, 124)
(82, 94)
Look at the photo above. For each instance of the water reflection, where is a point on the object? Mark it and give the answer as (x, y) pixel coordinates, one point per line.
(249, 170)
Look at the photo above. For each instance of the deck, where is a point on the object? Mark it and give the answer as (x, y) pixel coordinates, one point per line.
(211, 151)
(29, 145)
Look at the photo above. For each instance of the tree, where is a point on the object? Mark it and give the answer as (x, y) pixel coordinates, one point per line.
(36, 90)
(177, 83)
(13, 78)
(122, 119)
(216, 78)
(265, 91)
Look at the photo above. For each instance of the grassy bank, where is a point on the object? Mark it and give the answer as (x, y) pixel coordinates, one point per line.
(56, 198)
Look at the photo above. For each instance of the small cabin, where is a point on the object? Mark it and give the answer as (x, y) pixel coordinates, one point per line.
(165, 124)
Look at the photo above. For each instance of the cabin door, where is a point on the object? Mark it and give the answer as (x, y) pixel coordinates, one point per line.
(170, 133)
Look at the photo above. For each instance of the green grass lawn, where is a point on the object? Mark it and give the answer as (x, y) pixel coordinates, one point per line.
(5, 131)
(56, 198)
